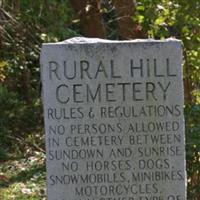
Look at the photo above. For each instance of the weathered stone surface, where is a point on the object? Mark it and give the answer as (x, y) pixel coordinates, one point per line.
(114, 120)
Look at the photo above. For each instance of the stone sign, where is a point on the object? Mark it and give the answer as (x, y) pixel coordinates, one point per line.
(114, 119)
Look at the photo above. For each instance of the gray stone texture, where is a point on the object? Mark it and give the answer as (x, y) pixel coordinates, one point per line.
(114, 119)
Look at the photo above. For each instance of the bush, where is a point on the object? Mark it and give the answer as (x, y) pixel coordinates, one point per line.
(19, 121)
(9, 105)
(192, 118)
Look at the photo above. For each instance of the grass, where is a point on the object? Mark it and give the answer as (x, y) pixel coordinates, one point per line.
(23, 179)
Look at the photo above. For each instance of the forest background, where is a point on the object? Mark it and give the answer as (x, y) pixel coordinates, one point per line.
(26, 24)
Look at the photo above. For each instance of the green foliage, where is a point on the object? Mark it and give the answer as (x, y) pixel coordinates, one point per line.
(21, 124)
(3, 154)
(26, 29)
(53, 16)
(8, 105)
(192, 118)
(179, 19)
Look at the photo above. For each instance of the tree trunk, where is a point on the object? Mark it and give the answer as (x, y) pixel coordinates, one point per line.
(127, 28)
(90, 17)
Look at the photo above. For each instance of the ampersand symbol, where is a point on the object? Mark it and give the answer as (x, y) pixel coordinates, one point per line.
(91, 114)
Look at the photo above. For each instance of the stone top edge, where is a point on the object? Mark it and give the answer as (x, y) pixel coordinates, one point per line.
(84, 40)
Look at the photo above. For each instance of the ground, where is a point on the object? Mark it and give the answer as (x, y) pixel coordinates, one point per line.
(23, 178)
